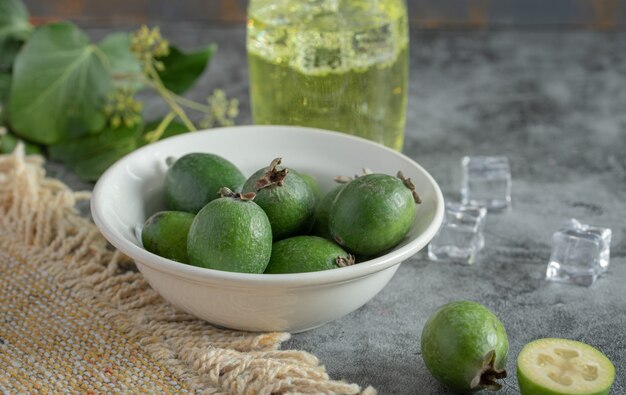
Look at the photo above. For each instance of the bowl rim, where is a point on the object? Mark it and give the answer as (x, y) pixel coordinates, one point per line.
(194, 273)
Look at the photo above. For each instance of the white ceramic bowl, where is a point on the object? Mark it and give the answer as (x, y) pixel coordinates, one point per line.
(131, 190)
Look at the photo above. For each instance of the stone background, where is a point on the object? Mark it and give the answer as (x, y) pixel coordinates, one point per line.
(553, 102)
(543, 83)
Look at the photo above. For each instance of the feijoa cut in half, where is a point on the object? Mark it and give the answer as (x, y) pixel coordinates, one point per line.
(165, 234)
(286, 197)
(373, 213)
(465, 346)
(196, 178)
(231, 233)
(563, 367)
(300, 254)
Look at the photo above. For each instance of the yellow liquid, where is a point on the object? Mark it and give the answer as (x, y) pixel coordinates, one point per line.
(344, 69)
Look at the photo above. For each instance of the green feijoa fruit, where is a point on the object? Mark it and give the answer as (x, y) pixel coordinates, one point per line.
(313, 184)
(286, 198)
(464, 346)
(231, 233)
(373, 213)
(307, 254)
(322, 212)
(165, 234)
(563, 367)
(195, 179)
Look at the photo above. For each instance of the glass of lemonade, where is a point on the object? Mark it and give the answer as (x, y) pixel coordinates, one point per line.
(333, 64)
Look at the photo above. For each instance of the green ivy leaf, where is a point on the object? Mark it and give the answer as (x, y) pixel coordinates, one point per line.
(91, 155)
(8, 51)
(14, 30)
(13, 21)
(182, 70)
(8, 142)
(5, 84)
(59, 83)
(122, 63)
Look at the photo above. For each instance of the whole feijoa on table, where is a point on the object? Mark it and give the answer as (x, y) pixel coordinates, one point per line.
(465, 346)
(165, 234)
(562, 367)
(231, 233)
(195, 179)
(373, 213)
(300, 254)
(285, 196)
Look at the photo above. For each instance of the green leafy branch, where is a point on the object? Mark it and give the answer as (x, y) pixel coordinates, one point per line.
(82, 108)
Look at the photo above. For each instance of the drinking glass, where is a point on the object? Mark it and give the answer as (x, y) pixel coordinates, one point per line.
(333, 64)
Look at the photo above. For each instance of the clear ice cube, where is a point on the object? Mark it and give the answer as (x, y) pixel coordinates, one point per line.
(486, 182)
(580, 253)
(374, 44)
(460, 237)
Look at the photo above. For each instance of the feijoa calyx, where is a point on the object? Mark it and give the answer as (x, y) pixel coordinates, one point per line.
(286, 197)
(465, 346)
(196, 178)
(307, 254)
(231, 233)
(373, 213)
(165, 234)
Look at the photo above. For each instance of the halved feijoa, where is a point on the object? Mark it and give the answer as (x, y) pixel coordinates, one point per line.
(563, 367)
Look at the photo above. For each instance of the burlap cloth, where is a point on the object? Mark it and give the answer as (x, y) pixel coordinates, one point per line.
(76, 316)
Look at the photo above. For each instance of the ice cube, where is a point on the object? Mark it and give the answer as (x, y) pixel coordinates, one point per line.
(374, 45)
(460, 237)
(580, 253)
(319, 52)
(486, 182)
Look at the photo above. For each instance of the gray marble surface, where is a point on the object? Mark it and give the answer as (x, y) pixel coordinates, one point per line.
(555, 104)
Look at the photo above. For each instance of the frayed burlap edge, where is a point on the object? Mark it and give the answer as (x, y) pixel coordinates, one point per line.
(39, 222)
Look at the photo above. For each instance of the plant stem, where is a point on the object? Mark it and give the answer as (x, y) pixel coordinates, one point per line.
(153, 76)
(133, 77)
(156, 134)
(191, 104)
(101, 55)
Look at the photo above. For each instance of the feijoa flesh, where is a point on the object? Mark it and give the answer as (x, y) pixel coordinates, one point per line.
(286, 197)
(307, 254)
(196, 178)
(563, 367)
(165, 234)
(231, 233)
(465, 346)
(373, 213)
